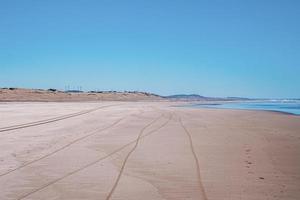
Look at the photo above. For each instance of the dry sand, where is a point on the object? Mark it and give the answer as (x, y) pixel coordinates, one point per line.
(29, 95)
(146, 151)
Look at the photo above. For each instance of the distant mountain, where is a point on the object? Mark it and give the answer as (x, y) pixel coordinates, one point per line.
(238, 98)
(196, 97)
(186, 96)
(189, 97)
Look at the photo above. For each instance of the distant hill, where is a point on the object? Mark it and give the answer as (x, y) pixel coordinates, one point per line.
(238, 98)
(196, 97)
(191, 97)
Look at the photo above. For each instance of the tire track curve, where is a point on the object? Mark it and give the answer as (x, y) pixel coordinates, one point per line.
(96, 131)
(96, 161)
(50, 120)
(126, 160)
(202, 189)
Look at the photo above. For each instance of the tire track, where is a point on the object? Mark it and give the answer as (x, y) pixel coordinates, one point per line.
(202, 189)
(29, 123)
(50, 120)
(126, 160)
(96, 161)
(96, 131)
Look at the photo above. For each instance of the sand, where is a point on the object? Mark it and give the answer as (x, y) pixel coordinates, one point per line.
(146, 151)
(39, 95)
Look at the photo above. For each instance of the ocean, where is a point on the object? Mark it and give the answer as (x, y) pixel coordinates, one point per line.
(286, 106)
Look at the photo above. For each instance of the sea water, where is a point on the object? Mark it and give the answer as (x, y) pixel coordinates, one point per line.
(287, 106)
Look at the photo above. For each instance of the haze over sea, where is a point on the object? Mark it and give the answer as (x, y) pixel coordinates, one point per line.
(286, 106)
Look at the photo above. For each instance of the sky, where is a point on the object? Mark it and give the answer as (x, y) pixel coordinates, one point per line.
(247, 48)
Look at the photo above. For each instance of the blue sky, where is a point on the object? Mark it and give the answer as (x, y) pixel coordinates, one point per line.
(247, 48)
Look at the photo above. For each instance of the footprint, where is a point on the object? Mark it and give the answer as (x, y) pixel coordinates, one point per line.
(248, 162)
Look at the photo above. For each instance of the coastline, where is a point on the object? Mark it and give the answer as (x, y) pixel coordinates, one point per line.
(237, 154)
(218, 105)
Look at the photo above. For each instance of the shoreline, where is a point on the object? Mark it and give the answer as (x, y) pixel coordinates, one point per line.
(237, 109)
(211, 106)
(93, 153)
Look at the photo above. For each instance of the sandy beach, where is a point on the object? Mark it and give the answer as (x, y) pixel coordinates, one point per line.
(146, 151)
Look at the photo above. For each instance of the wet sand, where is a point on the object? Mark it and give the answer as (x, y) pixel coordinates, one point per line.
(149, 151)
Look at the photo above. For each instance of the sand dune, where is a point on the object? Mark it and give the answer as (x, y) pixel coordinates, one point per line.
(125, 150)
(21, 95)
